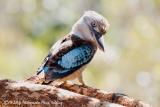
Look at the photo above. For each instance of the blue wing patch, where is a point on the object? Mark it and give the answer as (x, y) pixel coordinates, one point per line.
(69, 62)
(76, 57)
(45, 69)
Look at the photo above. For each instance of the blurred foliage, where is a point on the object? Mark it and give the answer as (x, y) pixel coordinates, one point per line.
(131, 64)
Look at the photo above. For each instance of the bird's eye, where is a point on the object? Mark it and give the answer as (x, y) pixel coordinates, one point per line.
(93, 24)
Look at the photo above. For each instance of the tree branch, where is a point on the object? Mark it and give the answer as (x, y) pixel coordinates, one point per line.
(25, 94)
(111, 97)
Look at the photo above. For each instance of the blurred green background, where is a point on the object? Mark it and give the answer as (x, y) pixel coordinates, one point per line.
(131, 64)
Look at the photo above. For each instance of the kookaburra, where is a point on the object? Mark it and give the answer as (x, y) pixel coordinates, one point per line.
(70, 55)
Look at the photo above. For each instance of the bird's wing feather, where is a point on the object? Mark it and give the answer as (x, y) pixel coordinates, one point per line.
(54, 54)
(66, 57)
(76, 57)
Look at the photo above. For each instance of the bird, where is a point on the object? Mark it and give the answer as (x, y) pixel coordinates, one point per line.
(71, 54)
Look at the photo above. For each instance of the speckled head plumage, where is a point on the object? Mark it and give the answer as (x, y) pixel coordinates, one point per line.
(91, 26)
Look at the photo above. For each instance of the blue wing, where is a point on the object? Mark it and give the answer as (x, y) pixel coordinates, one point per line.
(70, 62)
(76, 57)
(67, 60)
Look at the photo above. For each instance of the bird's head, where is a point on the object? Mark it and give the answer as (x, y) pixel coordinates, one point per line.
(91, 26)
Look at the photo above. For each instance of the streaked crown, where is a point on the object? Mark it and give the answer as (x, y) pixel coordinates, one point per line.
(96, 21)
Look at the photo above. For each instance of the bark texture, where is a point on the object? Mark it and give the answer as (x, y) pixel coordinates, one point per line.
(24, 94)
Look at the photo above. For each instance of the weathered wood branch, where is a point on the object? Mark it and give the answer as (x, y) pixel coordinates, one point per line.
(111, 97)
(14, 94)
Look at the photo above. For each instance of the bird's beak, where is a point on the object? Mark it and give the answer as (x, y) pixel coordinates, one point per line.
(98, 38)
(100, 42)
